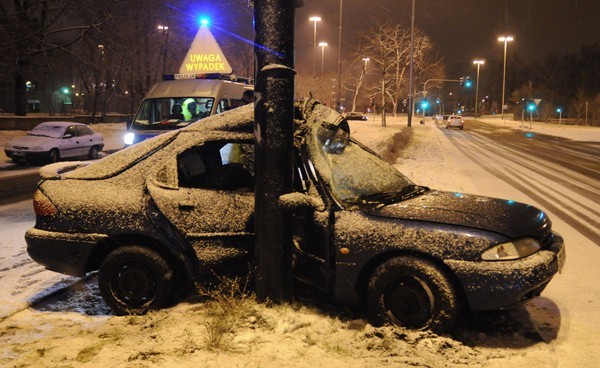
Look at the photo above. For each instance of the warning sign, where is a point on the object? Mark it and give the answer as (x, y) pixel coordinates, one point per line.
(205, 55)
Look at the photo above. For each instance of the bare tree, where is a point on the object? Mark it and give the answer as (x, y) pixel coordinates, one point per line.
(388, 46)
(38, 30)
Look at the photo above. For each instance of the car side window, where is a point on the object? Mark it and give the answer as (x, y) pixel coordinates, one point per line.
(218, 166)
(83, 130)
(72, 130)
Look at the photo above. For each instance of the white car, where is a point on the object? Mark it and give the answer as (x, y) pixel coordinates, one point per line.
(455, 121)
(50, 141)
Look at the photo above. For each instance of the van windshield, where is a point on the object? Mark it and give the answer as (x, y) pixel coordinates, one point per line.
(172, 113)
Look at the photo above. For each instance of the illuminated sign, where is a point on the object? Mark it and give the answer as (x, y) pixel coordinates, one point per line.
(205, 55)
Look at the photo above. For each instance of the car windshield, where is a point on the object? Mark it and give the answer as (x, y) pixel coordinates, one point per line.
(357, 177)
(171, 113)
(46, 130)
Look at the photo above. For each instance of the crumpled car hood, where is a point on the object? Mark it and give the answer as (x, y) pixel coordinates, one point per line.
(506, 217)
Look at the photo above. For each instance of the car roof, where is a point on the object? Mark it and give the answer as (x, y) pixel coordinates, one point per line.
(60, 123)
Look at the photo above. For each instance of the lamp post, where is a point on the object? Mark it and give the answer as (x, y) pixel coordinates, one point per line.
(412, 60)
(323, 45)
(339, 97)
(559, 111)
(315, 19)
(165, 32)
(478, 63)
(506, 40)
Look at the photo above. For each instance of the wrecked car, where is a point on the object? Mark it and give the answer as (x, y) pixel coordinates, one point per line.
(160, 215)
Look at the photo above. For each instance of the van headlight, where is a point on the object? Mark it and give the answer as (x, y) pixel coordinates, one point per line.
(128, 138)
(516, 249)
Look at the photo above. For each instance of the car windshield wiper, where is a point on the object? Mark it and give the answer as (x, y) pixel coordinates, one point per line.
(407, 192)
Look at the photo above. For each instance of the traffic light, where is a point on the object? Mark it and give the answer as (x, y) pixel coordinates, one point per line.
(424, 104)
(468, 82)
(461, 81)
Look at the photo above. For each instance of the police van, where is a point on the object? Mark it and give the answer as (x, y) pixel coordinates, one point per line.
(181, 99)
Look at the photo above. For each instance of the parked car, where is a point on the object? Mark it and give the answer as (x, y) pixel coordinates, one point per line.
(51, 141)
(455, 121)
(160, 215)
(354, 115)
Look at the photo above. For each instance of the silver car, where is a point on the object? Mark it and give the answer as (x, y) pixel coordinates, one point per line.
(50, 141)
(455, 121)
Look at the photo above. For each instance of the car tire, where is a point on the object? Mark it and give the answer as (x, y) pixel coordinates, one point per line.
(135, 279)
(413, 293)
(93, 154)
(53, 156)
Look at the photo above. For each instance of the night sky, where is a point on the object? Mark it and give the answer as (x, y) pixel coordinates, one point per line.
(463, 30)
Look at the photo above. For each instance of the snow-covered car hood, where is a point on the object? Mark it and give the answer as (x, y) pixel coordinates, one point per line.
(30, 141)
(506, 217)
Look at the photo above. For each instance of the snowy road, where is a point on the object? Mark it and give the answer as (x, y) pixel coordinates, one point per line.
(560, 175)
(563, 178)
(22, 280)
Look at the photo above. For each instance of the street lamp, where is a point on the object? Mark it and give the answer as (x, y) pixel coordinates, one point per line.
(323, 45)
(506, 40)
(478, 63)
(339, 99)
(315, 19)
(165, 45)
(366, 60)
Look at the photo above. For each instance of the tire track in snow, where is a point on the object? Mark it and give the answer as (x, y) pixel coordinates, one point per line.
(506, 168)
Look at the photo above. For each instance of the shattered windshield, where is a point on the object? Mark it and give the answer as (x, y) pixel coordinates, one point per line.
(356, 176)
(171, 113)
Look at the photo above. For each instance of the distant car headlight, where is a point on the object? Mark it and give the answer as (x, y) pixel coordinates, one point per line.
(516, 249)
(128, 138)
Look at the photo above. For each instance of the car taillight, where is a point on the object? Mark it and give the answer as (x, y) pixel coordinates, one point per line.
(42, 205)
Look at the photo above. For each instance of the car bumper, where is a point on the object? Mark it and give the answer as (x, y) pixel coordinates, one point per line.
(498, 284)
(25, 155)
(62, 252)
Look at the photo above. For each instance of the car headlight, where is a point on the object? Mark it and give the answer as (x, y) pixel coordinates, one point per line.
(35, 148)
(516, 249)
(128, 138)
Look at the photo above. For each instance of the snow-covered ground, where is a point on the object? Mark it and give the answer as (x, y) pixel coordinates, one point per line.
(75, 329)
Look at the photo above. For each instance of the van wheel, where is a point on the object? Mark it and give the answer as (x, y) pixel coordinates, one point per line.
(93, 154)
(135, 279)
(412, 293)
(53, 156)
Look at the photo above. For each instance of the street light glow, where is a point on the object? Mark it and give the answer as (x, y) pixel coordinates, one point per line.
(162, 28)
(315, 18)
(323, 44)
(506, 40)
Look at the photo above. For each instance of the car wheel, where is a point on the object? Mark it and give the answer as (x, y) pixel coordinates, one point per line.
(93, 153)
(412, 293)
(53, 156)
(135, 279)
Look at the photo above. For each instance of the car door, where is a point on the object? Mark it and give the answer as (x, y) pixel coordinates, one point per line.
(69, 144)
(86, 139)
(209, 197)
(312, 229)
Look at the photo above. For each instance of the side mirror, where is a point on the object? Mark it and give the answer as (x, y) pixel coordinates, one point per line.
(67, 136)
(297, 201)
